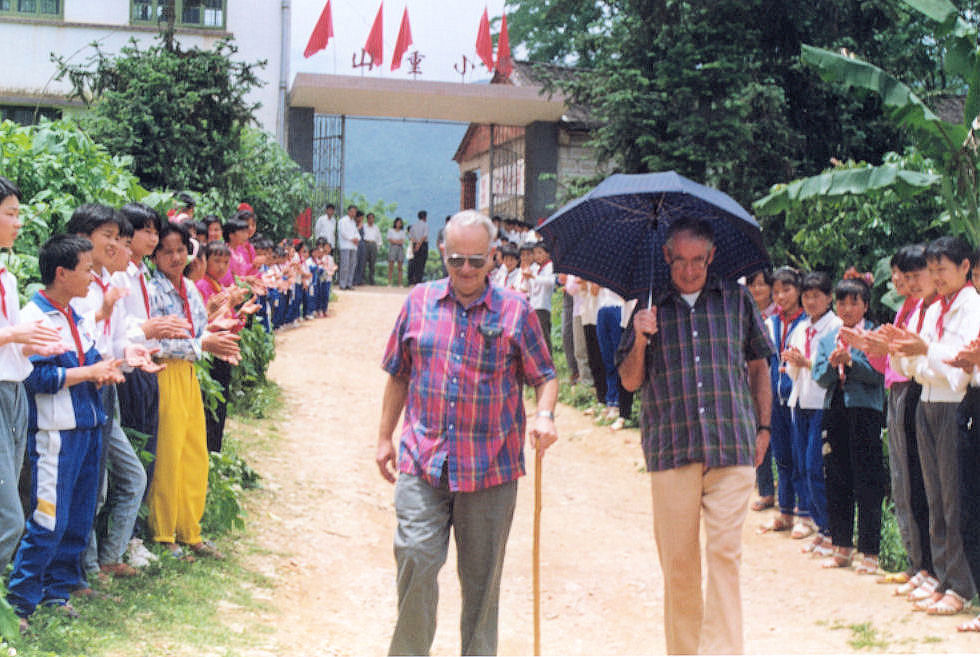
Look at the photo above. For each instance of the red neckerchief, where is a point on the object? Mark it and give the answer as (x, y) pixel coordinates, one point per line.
(908, 307)
(105, 288)
(924, 304)
(182, 291)
(146, 295)
(840, 368)
(72, 325)
(944, 307)
(3, 293)
(810, 333)
(786, 322)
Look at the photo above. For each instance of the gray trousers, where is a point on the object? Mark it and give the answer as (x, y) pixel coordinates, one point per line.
(13, 441)
(345, 274)
(122, 485)
(937, 433)
(370, 261)
(481, 522)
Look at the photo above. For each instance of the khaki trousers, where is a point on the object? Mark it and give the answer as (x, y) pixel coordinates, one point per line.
(682, 497)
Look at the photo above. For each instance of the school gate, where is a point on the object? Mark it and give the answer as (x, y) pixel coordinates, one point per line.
(513, 140)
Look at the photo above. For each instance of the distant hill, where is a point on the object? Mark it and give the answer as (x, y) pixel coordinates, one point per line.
(405, 162)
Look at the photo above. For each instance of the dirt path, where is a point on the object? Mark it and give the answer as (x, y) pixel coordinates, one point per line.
(326, 518)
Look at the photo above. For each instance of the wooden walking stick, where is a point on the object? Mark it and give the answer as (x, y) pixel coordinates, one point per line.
(536, 551)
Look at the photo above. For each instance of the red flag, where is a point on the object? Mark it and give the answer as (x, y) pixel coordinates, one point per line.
(505, 65)
(484, 46)
(304, 221)
(375, 41)
(321, 33)
(404, 40)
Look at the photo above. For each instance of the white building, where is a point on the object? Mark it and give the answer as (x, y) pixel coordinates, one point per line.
(34, 29)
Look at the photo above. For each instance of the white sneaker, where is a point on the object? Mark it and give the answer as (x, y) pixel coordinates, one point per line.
(137, 555)
(618, 424)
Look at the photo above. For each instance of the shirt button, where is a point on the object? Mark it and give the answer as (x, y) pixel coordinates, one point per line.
(452, 426)
(462, 334)
(697, 359)
(700, 384)
(454, 379)
(700, 410)
(695, 334)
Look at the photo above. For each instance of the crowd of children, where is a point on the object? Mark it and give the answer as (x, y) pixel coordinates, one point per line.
(129, 302)
(838, 379)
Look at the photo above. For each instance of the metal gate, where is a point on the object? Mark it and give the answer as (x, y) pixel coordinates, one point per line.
(507, 171)
(328, 162)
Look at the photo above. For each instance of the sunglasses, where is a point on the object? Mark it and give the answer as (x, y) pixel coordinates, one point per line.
(456, 260)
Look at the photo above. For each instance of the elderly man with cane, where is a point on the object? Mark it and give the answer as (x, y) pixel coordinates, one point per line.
(458, 357)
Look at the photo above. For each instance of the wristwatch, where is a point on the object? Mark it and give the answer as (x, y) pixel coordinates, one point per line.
(763, 427)
(548, 414)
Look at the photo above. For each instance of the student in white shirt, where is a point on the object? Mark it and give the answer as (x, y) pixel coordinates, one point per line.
(541, 287)
(950, 324)
(807, 399)
(18, 340)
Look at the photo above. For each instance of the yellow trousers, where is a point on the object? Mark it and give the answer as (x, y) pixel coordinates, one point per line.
(180, 474)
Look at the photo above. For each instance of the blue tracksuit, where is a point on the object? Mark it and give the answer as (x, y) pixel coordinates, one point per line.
(64, 443)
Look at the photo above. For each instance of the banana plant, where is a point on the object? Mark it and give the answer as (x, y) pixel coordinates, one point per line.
(953, 147)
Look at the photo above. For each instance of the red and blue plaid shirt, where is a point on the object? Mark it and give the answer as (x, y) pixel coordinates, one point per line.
(466, 369)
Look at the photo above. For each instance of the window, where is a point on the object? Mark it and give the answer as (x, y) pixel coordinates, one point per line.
(190, 13)
(28, 8)
(24, 115)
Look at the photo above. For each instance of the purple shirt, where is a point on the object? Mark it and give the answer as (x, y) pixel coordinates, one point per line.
(466, 368)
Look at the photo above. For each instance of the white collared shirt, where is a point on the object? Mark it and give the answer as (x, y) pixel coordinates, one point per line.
(806, 390)
(14, 365)
(940, 381)
(542, 286)
(348, 233)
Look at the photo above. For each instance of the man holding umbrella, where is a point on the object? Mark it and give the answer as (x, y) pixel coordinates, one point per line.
(701, 437)
(460, 352)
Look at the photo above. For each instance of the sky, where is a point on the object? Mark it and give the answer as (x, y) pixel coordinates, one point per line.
(442, 31)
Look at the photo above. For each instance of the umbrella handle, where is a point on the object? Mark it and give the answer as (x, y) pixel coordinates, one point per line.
(536, 551)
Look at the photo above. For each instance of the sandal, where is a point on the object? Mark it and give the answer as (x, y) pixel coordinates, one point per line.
(207, 549)
(813, 545)
(841, 558)
(912, 584)
(868, 565)
(894, 578)
(925, 603)
(802, 529)
(949, 605)
(779, 523)
(764, 503)
(970, 626)
(924, 590)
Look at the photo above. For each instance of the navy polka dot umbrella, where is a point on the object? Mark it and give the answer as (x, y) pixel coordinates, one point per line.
(614, 235)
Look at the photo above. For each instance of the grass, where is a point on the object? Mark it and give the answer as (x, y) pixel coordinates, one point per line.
(864, 636)
(175, 608)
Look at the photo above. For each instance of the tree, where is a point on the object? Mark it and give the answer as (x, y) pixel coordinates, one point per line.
(714, 88)
(179, 114)
(952, 146)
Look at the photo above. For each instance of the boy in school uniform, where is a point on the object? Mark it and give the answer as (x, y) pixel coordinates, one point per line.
(18, 340)
(64, 442)
(950, 324)
(790, 494)
(807, 400)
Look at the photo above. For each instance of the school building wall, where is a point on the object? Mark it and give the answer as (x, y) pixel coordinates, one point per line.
(28, 77)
